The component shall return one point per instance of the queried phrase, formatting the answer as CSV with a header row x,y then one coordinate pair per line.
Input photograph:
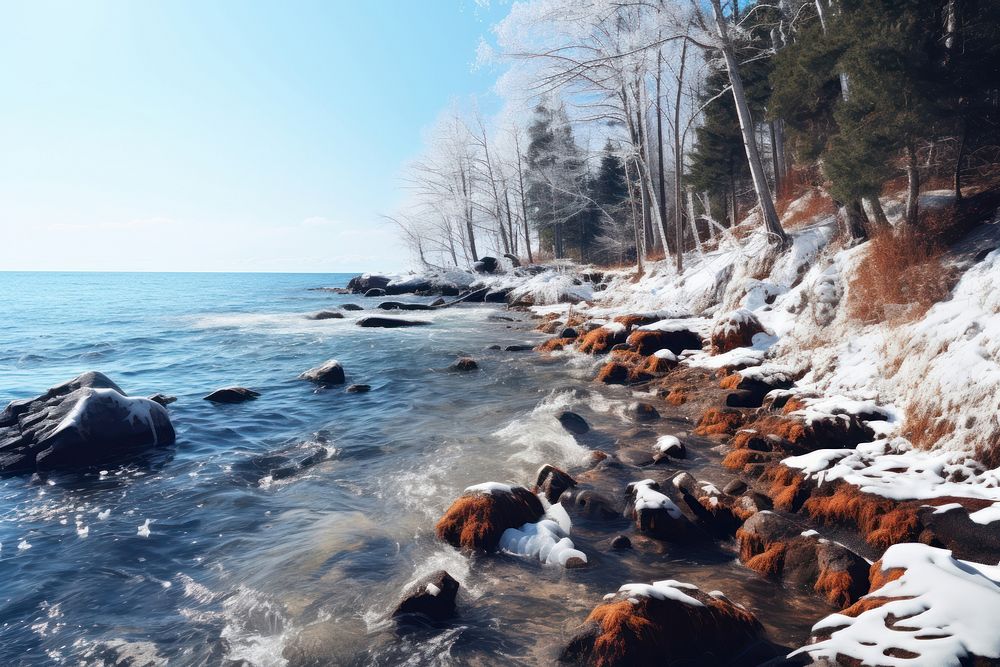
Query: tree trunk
x,y
771,222
659,144
854,213
679,166
881,221
958,162
468,217
912,186
636,227
775,164
524,204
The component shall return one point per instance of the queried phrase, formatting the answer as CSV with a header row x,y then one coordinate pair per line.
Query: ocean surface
x,y
282,531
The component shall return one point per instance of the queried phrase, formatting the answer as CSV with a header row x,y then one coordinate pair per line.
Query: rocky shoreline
x,y
850,549
724,465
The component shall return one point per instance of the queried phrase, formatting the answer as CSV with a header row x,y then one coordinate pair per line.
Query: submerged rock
x,y
480,516
351,306
232,395
573,422
667,623
375,291
464,364
655,513
327,373
433,597
82,422
325,315
359,388
163,399
399,305
389,322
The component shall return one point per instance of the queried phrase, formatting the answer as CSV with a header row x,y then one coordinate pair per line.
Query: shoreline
x,y
770,446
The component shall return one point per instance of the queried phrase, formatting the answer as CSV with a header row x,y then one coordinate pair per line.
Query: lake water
x,y
252,557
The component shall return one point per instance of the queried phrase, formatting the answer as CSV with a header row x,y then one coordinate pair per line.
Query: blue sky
x,y
246,136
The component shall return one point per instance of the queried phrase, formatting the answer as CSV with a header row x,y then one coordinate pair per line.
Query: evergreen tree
x,y
609,192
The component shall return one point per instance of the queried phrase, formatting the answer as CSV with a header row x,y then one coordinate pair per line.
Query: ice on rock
x,y
489,488
547,539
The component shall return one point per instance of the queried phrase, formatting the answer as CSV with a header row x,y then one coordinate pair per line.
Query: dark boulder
x,y
375,291
654,513
568,332
590,504
485,265
363,283
477,519
643,412
518,348
398,305
497,296
551,481
85,421
573,422
621,542
433,597
667,623
232,395
325,315
351,306
389,322
327,373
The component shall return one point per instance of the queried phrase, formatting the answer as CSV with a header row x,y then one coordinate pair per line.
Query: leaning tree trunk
x,y
881,220
636,227
913,186
771,222
958,162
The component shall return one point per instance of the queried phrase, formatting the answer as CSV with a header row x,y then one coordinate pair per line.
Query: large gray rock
x,y
327,373
85,421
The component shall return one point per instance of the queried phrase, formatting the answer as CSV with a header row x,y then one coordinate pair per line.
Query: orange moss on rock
x,y
881,522
731,381
600,340
475,521
655,365
554,344
737,459
785,487
613,372
735,330
720,421
770,561
648,631
677,397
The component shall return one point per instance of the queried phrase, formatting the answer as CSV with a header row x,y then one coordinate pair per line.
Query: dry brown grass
x,y
835,586
554,344
599,341
899,279
785,487
677,396
717,421
476,521
881,522
738,459
613,372
731,381
770,561
926,426
818,204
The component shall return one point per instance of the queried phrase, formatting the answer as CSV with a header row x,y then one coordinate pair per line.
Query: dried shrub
x,y
717,421
631,321
677,396
882,522
899,279
600,340
770,561
476,521
554,344
925,426
738,459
